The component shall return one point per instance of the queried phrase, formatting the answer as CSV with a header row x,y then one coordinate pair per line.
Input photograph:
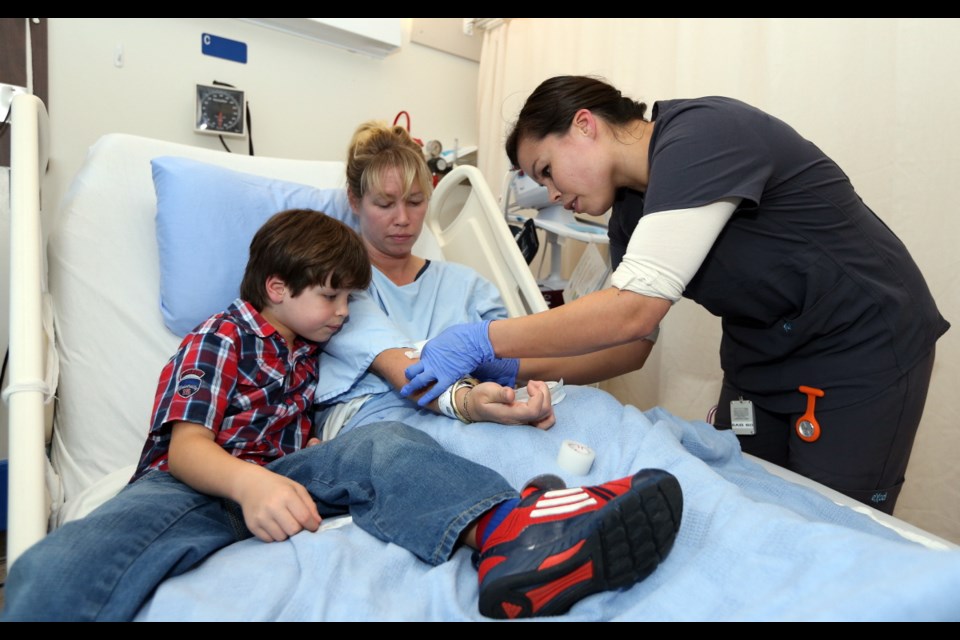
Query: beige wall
x,y
305,97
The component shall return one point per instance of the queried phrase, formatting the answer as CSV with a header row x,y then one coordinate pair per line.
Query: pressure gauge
x,y
433,148
220,111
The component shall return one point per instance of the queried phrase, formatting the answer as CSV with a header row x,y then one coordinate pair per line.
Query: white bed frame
x,y
464,217
28,395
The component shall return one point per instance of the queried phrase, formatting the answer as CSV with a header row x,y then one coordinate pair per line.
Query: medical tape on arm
x,y
668,247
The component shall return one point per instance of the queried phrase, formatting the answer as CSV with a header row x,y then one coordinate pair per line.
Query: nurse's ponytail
x,y
552,105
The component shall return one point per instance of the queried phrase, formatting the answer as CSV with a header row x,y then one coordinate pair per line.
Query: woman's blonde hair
x,y
376,147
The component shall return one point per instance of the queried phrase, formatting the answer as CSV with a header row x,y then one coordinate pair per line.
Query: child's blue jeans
x,y
396,482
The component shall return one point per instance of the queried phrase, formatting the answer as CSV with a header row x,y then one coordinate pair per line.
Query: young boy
x,y
225,459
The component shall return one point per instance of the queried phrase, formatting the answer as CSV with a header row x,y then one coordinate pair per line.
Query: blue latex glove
x,y
456,352
503,371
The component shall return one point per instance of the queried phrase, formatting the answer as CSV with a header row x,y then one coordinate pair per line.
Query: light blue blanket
x,y
751,546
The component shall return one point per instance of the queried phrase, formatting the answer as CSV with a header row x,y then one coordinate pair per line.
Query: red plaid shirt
x,y
235,375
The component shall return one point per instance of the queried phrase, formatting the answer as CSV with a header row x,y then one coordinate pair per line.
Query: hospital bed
x,y
90,313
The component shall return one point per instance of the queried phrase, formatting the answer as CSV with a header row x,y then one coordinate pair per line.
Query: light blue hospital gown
x,y
389,316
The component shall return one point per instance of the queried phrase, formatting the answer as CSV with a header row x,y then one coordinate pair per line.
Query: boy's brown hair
x,y
304,248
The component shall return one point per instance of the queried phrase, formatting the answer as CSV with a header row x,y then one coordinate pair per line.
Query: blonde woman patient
x,y
411,298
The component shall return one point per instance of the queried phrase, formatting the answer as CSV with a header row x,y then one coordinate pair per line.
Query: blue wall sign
x,y
225,48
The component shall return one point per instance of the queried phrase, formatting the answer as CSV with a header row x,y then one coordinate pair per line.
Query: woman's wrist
x,y
453,402
463,403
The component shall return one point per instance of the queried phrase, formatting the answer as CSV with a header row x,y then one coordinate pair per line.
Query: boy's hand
x,y
276,507
490,402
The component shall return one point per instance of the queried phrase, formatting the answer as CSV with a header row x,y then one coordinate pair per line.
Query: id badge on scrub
x,y
741,417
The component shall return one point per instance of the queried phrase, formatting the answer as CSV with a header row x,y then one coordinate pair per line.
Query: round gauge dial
x,y
220,110
433,148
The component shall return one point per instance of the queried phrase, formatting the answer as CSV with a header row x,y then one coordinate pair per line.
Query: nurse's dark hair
x,y
552,105
304,248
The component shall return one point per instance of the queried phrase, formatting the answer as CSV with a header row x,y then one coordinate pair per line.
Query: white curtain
x,y
878,95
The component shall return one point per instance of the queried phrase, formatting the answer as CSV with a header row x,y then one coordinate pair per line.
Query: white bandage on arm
x,y
668,247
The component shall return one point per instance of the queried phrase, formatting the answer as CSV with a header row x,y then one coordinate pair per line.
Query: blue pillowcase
x,y
206,217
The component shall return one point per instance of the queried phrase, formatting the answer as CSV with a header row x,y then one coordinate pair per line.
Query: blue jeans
x,y
397,483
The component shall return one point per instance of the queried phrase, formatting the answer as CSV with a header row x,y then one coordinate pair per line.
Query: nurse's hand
x,y
500,370
456,352
490,402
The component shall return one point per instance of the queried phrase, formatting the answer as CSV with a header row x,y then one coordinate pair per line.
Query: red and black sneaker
x,y
561,545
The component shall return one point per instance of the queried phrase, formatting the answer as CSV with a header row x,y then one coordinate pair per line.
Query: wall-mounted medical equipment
x,y
221,111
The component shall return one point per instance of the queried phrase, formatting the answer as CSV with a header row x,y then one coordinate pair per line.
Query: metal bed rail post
x,y
25,394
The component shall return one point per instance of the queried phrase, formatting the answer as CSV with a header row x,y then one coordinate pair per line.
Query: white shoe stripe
x,y
562,509
552,501
556,493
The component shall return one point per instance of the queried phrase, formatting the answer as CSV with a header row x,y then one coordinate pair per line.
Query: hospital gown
x,y
388,316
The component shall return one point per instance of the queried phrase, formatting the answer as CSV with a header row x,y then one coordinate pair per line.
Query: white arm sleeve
x,y
668,247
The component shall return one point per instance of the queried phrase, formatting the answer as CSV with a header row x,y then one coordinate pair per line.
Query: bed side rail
x,y
27,391
471,229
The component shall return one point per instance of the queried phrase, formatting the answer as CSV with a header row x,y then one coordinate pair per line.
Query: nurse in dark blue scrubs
x,y
829,328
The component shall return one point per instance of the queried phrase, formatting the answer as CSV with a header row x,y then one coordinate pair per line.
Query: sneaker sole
x,y
633,535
